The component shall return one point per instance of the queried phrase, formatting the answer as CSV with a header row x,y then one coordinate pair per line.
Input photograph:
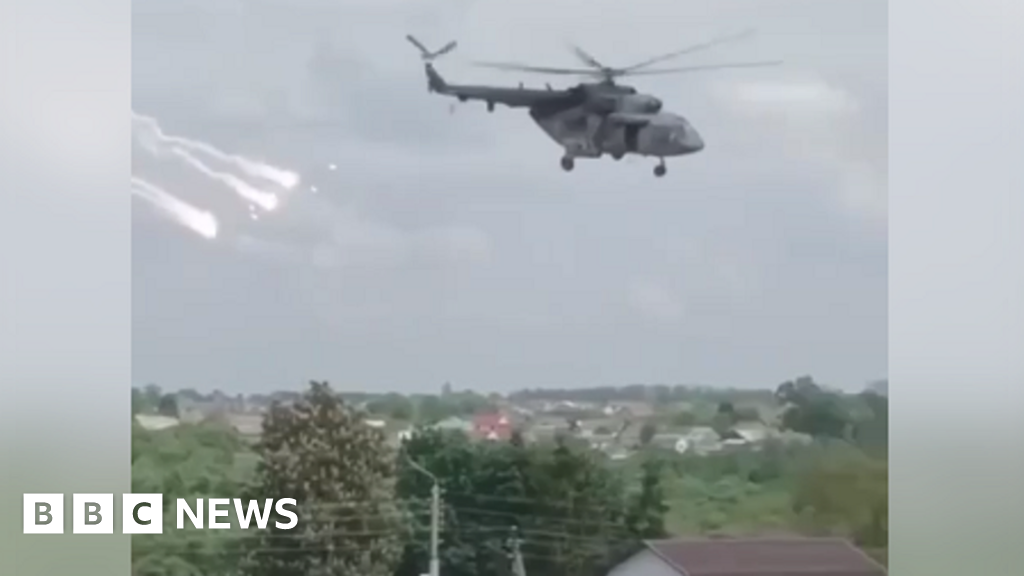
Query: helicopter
x,y
595,117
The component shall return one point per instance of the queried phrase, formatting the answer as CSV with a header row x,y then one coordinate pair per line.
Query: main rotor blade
x,y
446,49
683,69
537,69
585,57
691,49
417,43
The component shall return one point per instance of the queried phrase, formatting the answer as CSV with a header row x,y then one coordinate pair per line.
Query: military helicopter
x,y
592,118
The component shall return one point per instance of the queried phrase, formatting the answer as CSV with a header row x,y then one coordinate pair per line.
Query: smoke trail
x,y
199,221
284,178
264,200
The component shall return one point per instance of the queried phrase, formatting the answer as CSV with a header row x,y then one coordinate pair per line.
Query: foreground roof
x,y
765,557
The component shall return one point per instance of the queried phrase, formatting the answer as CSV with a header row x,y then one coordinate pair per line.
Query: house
x,y
752,432
749,557
249,426
453,423
495,426
153,422
629,409
678,443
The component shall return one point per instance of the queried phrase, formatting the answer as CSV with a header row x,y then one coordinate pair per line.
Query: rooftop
x,y
765,556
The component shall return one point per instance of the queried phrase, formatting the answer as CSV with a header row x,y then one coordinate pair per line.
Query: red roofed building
x,y
750,557
496,426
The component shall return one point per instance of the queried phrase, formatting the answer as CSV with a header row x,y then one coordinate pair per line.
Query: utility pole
x,y
435,528
435,517
518,568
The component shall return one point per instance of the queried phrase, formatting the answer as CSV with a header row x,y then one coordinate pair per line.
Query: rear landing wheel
x,y
617,155
568,164
660,170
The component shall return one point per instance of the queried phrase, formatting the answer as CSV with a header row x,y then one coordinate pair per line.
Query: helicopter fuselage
x,y
584,134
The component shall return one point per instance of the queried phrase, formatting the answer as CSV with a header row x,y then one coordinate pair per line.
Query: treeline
x,y
651,393
459,403
364,508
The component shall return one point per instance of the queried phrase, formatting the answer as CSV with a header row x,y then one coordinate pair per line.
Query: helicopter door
x,y
632,137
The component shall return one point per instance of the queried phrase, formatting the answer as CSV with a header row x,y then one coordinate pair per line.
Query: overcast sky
x,y
450,246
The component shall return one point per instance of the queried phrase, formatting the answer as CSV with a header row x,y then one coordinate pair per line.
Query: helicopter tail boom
x,y
435,83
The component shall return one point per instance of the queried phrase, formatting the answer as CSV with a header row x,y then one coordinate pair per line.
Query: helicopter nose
x,y
693,141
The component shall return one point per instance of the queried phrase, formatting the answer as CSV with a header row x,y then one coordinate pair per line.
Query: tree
x,y
722,423
646,516
432,409
188,461
871,432
341,473
846,493
394,406
168,406
568,504
146,400
809,409
138,402
684,419
747,414
647,433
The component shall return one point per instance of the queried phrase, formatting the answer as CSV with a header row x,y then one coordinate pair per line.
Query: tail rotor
x,y
429,56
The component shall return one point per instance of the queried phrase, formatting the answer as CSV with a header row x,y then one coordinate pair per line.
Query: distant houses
x,y
493,426
154,422
453,423
612,427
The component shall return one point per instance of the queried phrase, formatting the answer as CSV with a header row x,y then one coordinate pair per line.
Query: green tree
x,y
433,409
341,473
568,504
168,406
684,419
871,432
146,400
810,409
189,461
747,414
647,433
646,516
138,402
846,493
395,406
722,423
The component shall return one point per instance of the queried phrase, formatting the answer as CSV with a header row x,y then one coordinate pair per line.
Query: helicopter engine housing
x,y
625,103
602,104
639,104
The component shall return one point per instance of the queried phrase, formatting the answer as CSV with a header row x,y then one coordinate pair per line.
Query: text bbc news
x,y
144,513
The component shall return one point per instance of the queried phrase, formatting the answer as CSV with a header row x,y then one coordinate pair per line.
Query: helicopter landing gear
x,y
660,169
618,155
568,163
490,106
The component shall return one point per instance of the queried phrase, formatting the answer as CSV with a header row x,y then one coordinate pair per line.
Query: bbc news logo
x,y
144,513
